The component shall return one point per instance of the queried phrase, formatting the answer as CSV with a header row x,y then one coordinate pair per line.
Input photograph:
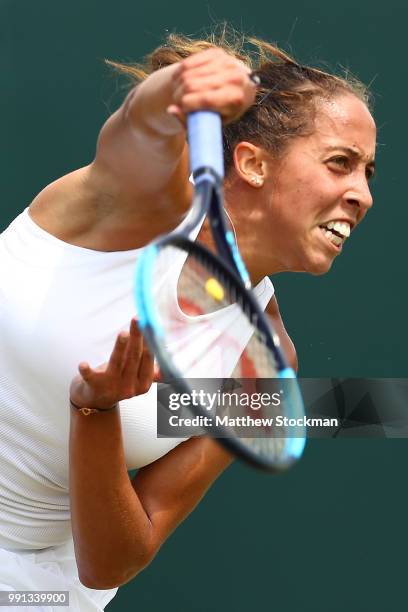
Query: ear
x,y
250,163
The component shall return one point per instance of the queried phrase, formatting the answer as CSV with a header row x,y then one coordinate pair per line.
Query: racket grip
x,y
204,130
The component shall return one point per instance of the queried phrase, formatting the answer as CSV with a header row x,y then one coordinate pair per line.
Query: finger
x,y
230,104
204,72
119,351
209,83
146,371
133,354
227,70
204,57
85,370
136,336
213,76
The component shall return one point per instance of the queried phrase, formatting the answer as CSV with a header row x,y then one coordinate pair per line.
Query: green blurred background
x,y
332,534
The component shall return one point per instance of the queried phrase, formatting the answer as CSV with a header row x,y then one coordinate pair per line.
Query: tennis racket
x,y
206,322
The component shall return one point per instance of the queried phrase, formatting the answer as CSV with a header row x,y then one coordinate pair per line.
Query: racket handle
x,y
205,141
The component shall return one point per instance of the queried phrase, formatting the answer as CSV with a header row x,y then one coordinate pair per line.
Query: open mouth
x,y
336,232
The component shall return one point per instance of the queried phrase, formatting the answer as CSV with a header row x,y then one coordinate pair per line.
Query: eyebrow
x,y
352,152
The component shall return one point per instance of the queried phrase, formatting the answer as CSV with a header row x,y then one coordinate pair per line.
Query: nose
x,y
359,195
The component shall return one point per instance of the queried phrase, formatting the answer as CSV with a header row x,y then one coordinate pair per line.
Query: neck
x,y
258,267
245,207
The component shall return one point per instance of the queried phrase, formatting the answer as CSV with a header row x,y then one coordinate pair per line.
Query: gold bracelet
x,y
88,411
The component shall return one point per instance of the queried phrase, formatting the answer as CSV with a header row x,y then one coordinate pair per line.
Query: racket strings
x,y
209,305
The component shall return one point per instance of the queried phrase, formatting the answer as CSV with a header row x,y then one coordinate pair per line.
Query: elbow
x,y
99,579
96,582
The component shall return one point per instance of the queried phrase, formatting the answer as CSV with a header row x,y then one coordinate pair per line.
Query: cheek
x,y
299,204
293,190
301,199
310,199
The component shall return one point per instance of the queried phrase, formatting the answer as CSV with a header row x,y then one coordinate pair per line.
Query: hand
x,y
129,372
212,80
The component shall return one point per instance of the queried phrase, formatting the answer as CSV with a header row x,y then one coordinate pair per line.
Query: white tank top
x,y
60,304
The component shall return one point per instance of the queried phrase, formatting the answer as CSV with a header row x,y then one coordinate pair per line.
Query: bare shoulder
x,y
273,312
73,207
54,206
93,209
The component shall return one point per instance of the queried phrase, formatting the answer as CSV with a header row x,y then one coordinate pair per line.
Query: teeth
x,y
333,238
342,227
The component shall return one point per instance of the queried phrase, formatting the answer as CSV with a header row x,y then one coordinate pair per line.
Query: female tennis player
x,y
299,152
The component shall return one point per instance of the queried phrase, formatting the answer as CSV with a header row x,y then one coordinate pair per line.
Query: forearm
x,y
141,155
146,106
110,527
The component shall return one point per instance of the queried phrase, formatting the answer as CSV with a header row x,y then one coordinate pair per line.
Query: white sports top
x,y
61,304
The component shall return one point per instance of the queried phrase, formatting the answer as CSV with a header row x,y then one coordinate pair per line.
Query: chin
x,y
311,259
318,266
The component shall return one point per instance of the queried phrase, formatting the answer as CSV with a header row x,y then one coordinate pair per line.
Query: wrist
x,y
149,103
87,411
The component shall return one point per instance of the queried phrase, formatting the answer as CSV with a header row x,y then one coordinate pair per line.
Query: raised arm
x,y
142,153
137,186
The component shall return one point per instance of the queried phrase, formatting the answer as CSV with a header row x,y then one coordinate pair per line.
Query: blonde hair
x,y
285,103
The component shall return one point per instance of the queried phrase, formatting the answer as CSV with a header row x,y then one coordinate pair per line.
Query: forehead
x,y
345,121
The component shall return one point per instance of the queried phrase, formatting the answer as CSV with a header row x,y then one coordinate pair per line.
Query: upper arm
x,y
286,342
171,487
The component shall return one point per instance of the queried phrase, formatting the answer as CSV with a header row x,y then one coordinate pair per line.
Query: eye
x,y
370,173
340,161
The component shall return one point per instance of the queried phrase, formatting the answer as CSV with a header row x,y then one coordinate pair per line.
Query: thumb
x,y
85,370
176,111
